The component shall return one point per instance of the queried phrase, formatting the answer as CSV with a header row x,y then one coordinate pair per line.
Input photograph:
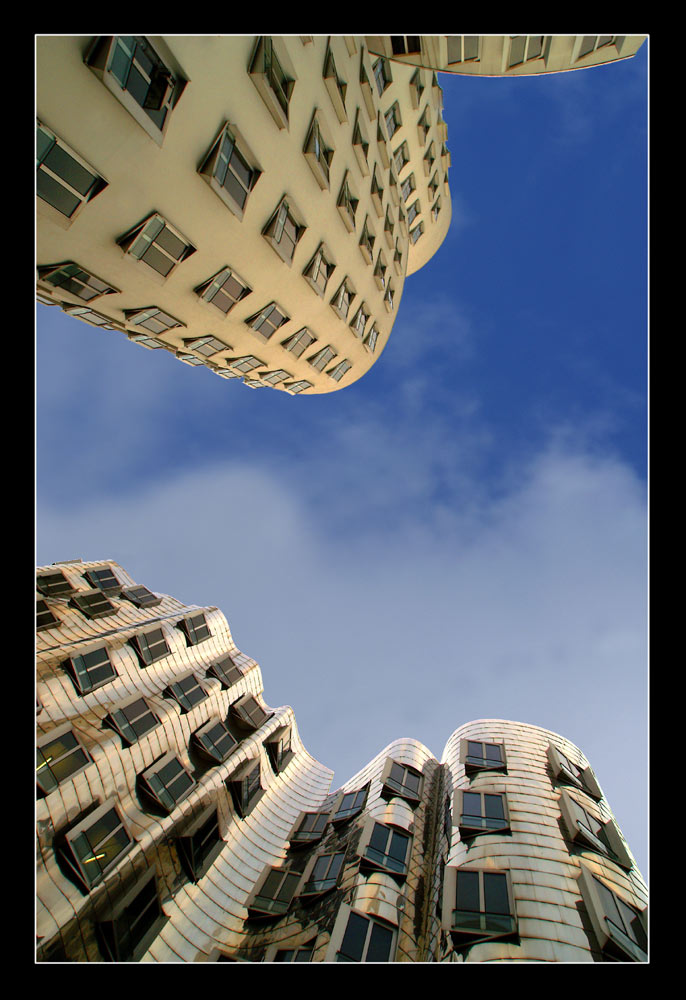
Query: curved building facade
x,y
181,819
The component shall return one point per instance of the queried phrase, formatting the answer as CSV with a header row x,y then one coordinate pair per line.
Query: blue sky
x,y
461,534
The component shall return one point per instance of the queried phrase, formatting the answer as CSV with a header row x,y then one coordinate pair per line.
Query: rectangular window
x,y
150,646
478,756
339,370
215,741
342,300
59,756
276,377
310,828
167,782
392,120
483,906
405,44
246,364
132,70
126,931
360,321
274,892
408,186
132,719
274,85
482,812
347,206
295,954
63,180
267,322
224,290
44,616
53,584
318,271
187,692
90,670
324,875
299,342
283,232
336,87
377,193
141,597
245,787
248,712
96,844
195,629
153,319
401,157
228,172
279,749
463,48
318,154
93,604
226,671
360,146
388,849
200,844
296,387
105,580
156,243
399,779
372,338
524,48
351,803
366,940
413,211
320,360
619,927
72,278
382,75
367,243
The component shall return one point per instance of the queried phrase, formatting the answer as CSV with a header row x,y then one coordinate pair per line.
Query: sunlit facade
x,y
181,819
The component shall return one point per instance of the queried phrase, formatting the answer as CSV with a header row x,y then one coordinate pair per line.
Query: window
x,y
167,782
195,629
105,580
157,244
382,74
401,156
150,646
226,671
323,874
214,741
72,278
479,905
435,209
366,940
408,186
463,48
377,193
318,154
481,812
416,89
126,931
200,844
95,845
402,780
423,126
273,83
393,120
405,44
279,750
524,48
245,787
132,719
388,228
342,299
619,926
360,321
230,173
372,337
283,232
416,233
389,298
386,848
186,692
590,832
268,321
44,616
347,206
299,342
477,756
433,185
63,179
246,364
591,43
321,359
360,145
90,670
141,597
367,243
248,713
350,804
224,290
565,771
335,86
339,370
309,828
429,159
132,70
296,387
53,584
303,954
380,271
92,317
59,756
93,604
319,270
413,211
153,319
273,894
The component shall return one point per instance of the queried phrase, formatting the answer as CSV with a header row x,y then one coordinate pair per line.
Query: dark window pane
x,y
51,191
493,752
467,897
66,167
494,807
379,949
172,244
495,893
471,804
157,260
379,838
354,938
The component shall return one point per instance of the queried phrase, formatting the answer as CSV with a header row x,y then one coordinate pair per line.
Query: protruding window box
x,y
619,926
320,360
200,844
384,848
478,906
105,580
342,300
428,160
366,244
377,194
248,714
44,617
230,169
226,672
335,86
245,787
402,781
150,646
143,82
398,258
416,89
339,370
477,756
365,939
153,319
481,812
186,692
90,669
321,875
93,604
75,280
380,271
423,126
284,231
132,719
157,243
273,81
366,89
388,229
360,321
389,298
195,628
319,154
126,930
273,893
372,338
60,756
279,749
393,188
381,142
319,270
347,206
295,387
64,181
349,805
298,343
588,831
569,773
266,322
166,783
309,828
361,145
141,597
225,290
95,845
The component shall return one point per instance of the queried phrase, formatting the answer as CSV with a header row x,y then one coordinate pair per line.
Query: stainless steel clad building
x,y
181,819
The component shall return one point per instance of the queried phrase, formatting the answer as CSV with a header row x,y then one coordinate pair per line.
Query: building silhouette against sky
x,y
255,204
181,819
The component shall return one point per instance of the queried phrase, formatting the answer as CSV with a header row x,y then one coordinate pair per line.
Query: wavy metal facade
x,y
181,819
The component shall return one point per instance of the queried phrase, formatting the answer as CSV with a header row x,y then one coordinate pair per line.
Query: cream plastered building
x,y
181,819
254,205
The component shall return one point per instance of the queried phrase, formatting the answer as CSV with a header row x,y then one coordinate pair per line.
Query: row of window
x,y
521,49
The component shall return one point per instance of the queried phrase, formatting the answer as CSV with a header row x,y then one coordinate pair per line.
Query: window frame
x,y
347,204
391,787
318,151
265,320
382,860
584,780
261,906
97,185
139,317
243,709
340,370
477,765
335,86
215,287
285,215
217,671
463,57
465,936
589,831
340,934
93,604
311,888
344,293
542,54
159,796
360,144
140,596
213,164
45,618
279,748
127,733
75,674
320,263
372,338
183,691
142,239
192,628
111,937
468,830
298,338
197,852
339,814
611,938
55,735
141,647
73,859
245,786
269,49
50,271
393,113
